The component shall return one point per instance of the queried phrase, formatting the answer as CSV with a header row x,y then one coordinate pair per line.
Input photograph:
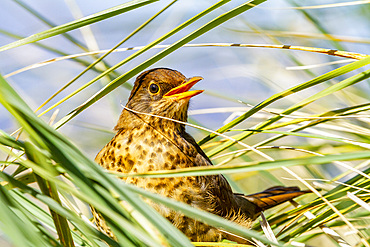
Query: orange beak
x,y
181,92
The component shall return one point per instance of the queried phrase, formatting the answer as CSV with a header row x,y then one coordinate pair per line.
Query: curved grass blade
x,y
92,65
18,223
250,166
10,141
37,212
144,49
49,189
45,47
330,75
88,177
49,23
339,112
345,83
91,179
123,78
106,52
102,15
338,193
322,137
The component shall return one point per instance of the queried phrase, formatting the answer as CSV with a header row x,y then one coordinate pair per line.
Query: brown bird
x,y
146,143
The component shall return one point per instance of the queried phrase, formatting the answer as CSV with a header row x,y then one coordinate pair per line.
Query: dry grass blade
x,y
323,6
360,202
267,229
316,129
344,54
285,168
327,230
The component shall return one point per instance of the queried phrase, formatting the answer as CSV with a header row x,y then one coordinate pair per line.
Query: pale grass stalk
x,y
87,35
298,244
325,187
202,128
331,181
144,222
345,54
258,243
343,139
86,31
363,240
300,115
357,200
358,167
328,231
320,65
267,229
242,151
322,6
98,62
219,244
325,229
68,204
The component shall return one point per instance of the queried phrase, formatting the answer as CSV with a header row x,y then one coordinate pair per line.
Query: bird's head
x,y
162,92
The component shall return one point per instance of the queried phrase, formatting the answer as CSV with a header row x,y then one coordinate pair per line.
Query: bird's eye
x,y
153,88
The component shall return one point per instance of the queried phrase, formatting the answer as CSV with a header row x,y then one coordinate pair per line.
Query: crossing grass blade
x,y
313,82
18,223
52,159
95,187
108,13
252,166
71,160
92,66
49,23
186,39
324,215
49,189
123,78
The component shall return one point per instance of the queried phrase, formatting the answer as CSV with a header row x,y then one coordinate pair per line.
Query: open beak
x,y
181,92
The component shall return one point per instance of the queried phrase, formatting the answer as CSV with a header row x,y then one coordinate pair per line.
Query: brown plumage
x,y
147,143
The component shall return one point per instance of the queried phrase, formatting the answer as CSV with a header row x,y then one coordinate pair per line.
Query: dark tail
x,y
274,196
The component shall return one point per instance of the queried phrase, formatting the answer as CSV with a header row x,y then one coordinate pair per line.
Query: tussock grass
x,y
308,129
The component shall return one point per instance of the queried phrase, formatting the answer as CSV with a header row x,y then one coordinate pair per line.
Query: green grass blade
x,y
91,66
252,166
49,189
319,26
330,75
325,77
10,141
123,78
102,15
83,172
322,137
16,224
45,47
135,71
43,216
91,234
49,23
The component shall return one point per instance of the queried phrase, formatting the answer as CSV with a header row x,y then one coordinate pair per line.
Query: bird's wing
x,y
251,205
219,188
191,140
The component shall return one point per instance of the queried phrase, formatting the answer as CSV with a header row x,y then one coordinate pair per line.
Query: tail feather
x,y
274,196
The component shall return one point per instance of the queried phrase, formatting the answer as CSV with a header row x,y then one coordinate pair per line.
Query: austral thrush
x,y
146,143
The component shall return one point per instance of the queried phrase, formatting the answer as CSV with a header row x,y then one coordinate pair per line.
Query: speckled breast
x,y
144,149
